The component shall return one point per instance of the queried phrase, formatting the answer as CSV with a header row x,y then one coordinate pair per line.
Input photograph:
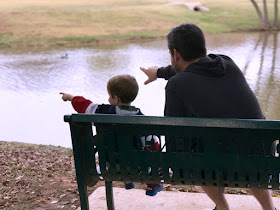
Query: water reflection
x,y
267,72
32,110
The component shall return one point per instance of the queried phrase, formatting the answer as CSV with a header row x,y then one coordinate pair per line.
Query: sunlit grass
x,y
11,4
32,22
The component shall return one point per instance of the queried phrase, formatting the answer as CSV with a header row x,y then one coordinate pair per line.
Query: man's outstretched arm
x,y
155,72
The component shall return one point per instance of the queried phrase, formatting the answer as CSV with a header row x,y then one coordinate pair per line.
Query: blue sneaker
x,y
153,190
129,185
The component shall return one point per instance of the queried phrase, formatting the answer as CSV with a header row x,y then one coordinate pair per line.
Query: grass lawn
x,y
40,23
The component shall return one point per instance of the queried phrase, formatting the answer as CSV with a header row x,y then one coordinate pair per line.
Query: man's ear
x,y
177,55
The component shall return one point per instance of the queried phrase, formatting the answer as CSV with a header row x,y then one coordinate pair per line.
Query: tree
x,y
264,19
276,20
261,20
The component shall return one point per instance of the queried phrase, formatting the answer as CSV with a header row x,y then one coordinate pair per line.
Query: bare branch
x,y
260,16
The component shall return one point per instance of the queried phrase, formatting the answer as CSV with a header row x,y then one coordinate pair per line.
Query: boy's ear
x,y
117,99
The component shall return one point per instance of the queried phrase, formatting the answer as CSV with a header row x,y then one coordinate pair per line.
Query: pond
x,y
31,107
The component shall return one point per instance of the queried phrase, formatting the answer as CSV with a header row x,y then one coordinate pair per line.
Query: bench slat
x,y
193,151
175,121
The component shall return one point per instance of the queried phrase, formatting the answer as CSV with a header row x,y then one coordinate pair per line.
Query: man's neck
x,y
185,64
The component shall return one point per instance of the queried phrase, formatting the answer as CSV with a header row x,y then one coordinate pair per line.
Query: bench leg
x,y
83,193
109,195
82,187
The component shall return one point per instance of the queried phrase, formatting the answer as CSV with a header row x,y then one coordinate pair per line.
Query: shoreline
x,y
103,43
96,43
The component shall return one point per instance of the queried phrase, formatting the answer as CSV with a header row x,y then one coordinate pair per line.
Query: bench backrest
x,y
195,151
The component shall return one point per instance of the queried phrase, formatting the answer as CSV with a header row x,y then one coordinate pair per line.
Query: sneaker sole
x,y
152,194
130,187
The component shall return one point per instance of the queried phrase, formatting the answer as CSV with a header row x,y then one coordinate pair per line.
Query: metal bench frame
x,y
199,151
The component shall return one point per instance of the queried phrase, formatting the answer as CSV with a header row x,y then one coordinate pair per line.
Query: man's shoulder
x,y
221,56
182,79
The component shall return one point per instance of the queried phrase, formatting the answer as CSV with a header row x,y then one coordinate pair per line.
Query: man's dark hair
x,y
188,40
124,86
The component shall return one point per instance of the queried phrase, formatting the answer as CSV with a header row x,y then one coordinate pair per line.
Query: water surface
x,y
32,110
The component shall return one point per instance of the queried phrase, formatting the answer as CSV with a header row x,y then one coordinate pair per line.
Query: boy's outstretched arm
x,y
79,103
67,97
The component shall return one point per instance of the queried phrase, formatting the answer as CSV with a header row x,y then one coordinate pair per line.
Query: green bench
x,y
199,151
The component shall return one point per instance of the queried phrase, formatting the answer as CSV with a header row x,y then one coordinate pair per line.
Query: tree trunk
x,y
266,19
276,20
261,20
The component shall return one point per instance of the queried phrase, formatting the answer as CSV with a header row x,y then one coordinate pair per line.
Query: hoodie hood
x,y
212,65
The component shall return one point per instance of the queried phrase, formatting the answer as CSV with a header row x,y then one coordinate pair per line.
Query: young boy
x,y
122,90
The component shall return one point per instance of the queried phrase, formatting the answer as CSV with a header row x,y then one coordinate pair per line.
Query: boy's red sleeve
x,y
80,104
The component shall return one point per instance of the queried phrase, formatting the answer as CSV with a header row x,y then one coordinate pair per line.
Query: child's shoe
x,y
153,190
129,185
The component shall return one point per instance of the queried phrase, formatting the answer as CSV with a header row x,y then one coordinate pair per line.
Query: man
x,y
206,86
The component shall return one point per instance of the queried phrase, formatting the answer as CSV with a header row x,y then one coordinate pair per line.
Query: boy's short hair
x,y
124,86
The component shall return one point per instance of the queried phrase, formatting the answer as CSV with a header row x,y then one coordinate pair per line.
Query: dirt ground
x,y
43,178
37,177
